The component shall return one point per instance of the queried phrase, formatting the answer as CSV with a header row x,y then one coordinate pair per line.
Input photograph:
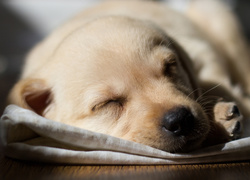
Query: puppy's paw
x,y
228,115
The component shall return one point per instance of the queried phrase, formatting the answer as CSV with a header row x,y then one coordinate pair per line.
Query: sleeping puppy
x,y
143,72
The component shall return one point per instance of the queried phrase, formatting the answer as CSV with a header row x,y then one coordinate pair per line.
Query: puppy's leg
x,y
218,22
228,115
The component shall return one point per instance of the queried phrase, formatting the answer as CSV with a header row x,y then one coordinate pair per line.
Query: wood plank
x,y
14,169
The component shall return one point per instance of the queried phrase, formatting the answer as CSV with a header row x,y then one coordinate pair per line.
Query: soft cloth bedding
x,y
28,136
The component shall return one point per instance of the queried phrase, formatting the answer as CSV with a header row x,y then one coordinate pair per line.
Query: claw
x,y
236,133
235,112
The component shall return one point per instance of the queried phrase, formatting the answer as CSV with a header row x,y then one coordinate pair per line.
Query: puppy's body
x,y
124,69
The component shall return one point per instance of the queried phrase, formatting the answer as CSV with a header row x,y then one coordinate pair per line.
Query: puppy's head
x,y
121,77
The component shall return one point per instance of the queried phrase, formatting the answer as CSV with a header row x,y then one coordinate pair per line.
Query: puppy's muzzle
x,y
179,121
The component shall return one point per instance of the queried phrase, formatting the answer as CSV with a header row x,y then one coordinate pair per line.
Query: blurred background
x,y
23,23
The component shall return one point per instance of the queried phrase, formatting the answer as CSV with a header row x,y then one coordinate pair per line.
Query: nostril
x,y
173,127
179,121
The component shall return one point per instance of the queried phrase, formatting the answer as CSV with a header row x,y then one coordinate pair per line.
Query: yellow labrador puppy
x,y
141,71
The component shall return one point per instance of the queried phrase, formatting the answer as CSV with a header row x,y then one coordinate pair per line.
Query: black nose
x,y
179,121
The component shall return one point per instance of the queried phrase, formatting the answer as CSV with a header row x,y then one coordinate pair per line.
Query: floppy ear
x,y
187,65
33,94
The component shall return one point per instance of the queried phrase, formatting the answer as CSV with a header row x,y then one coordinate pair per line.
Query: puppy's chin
x,y
171,143
188,146
180,145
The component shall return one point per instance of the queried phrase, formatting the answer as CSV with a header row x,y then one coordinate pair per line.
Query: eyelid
x,y
106,102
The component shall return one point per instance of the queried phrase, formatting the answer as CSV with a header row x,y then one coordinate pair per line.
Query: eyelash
x,y
106,103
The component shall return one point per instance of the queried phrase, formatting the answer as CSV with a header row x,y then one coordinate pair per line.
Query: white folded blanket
x,y
28,136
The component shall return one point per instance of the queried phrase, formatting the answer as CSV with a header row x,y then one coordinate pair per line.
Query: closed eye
x,y
107,103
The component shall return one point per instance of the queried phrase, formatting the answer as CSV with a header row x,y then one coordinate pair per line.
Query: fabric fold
x,y
28,136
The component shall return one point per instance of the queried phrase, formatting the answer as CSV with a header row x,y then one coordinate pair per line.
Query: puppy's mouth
x,y
182,130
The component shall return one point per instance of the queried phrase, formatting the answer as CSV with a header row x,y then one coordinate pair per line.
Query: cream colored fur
x,y
104,71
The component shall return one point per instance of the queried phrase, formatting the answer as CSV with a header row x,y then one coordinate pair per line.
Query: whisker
x,y
207,91
208,100
193,92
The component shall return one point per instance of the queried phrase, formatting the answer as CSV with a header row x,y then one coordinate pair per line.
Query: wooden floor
x,y
13,169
